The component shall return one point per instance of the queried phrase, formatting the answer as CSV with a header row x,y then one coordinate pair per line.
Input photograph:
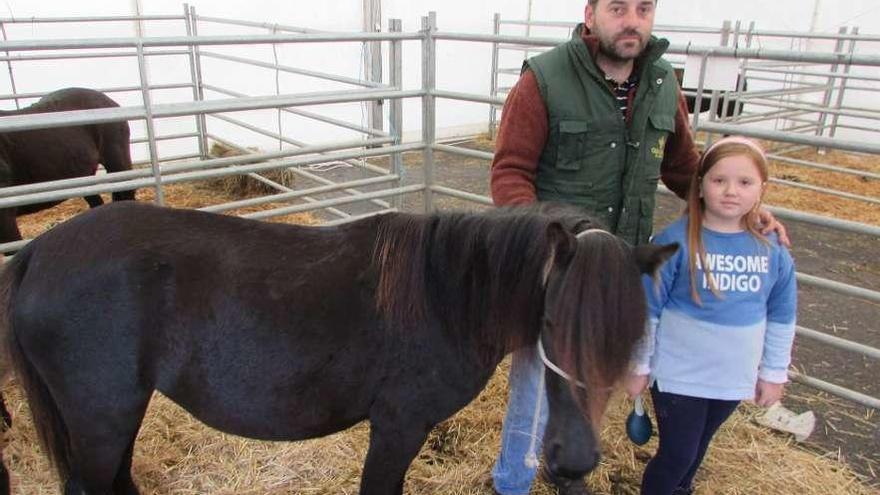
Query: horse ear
x,y
563,242
649,257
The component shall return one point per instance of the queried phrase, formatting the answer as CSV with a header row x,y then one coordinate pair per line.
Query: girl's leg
x,y
680,421
717,414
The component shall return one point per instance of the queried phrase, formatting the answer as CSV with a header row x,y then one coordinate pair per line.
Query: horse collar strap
x,y
556,369
593,231
531,457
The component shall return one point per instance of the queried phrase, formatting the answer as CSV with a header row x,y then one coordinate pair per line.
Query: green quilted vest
x,y
592,159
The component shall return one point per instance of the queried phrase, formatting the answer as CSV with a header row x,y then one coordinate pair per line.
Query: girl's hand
x,y
635,384
767,394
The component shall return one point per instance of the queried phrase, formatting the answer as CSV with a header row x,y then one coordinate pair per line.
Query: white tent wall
x,y
461,66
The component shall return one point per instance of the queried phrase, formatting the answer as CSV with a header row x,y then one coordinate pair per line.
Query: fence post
x,y
741,81
373,61
725,99
829,89
713,103
841,87
9,66
493,76
429,73
395,111
150,124
203,153
199,84
698,99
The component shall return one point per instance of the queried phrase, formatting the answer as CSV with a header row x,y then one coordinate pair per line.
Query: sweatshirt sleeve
x,y
781,317
680,159
656,295
522,135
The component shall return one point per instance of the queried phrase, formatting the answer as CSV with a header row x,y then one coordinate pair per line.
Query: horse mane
x,y
480,275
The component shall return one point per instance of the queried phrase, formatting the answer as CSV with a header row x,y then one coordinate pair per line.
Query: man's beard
x,y
610,51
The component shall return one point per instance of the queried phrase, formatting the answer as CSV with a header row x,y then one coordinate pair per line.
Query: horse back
x,y
68,99
193,256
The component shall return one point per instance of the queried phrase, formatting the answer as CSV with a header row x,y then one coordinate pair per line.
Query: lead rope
x,y
531,458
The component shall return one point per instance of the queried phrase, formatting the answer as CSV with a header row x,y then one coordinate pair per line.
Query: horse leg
x,y
124,484
393,446
101,446
4,415
116,154
94,201
7,423
9,225
4,476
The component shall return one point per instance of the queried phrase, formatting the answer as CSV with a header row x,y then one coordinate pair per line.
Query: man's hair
x,y
594,2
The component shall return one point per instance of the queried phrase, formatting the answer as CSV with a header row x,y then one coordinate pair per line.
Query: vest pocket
x,y
656,136
572,143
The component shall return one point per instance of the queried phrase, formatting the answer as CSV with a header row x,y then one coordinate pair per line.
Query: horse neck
x,y
477,276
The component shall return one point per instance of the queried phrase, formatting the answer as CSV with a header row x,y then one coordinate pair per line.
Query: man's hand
x,y
635,384
767,394
769,223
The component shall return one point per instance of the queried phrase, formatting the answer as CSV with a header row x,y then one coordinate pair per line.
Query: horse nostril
x,y
580,469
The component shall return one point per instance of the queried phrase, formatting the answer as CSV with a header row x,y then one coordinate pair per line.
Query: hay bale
x,y
244,185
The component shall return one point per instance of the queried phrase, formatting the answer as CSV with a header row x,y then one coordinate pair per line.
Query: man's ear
x,y
649,257
589,15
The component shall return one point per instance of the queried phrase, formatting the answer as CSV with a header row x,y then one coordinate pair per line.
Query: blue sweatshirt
x,y
718,350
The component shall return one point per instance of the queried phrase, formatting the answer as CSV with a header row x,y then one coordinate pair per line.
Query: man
x,y
595,122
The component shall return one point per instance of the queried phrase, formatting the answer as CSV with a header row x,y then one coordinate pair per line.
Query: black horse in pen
x,y
285,332
42,155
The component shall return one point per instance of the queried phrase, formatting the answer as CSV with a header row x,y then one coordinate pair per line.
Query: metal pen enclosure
x,y
205,112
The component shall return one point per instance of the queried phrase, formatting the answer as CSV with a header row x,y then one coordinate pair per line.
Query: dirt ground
x,y
844,431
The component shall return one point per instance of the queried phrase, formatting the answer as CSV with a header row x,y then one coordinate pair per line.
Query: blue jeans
x,y
686,425
510,475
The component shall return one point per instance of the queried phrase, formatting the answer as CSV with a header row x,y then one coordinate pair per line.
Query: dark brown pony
x,y
284,332
40,155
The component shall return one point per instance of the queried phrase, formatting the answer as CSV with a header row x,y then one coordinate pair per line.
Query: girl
x,y
721,315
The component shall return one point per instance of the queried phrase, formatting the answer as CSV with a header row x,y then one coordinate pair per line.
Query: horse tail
x,y
47,420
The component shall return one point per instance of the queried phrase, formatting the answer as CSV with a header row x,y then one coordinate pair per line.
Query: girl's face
x,y
730,189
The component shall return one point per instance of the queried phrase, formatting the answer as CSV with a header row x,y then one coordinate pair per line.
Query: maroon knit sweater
x,y
522,135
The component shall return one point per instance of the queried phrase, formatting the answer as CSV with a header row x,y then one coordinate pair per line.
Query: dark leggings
x,y
686,426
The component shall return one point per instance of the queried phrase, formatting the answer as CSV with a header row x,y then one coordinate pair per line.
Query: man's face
x,y
622,26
